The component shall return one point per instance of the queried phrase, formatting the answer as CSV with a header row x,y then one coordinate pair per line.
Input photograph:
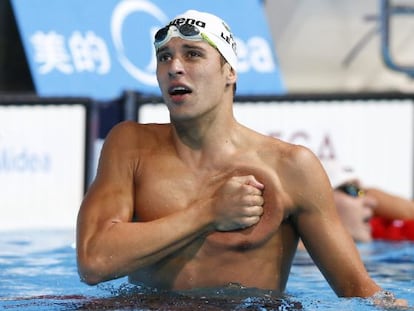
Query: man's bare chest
x,y
167,189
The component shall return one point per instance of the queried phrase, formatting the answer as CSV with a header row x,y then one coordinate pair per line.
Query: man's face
x,y
191,76
355,214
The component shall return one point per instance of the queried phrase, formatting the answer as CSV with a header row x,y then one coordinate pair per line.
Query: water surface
x,y
38,272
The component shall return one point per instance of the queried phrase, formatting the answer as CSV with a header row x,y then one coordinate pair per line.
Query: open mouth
x,y
367,220
179,90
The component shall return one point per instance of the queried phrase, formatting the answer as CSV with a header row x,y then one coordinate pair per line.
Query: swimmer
x,y
369,213
203,201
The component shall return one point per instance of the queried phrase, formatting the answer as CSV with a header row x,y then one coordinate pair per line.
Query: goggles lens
x,y
351,189
186,31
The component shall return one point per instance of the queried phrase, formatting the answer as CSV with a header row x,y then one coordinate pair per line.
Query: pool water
x,y
38,272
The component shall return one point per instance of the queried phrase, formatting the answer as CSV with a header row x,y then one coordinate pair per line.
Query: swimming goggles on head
x,y
184,31
351,189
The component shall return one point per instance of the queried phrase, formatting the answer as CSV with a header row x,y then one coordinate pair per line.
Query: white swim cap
x,y
339,174
196,26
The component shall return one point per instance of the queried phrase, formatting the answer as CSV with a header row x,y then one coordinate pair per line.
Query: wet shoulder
x,y
288,154
300,172
130,133
296,165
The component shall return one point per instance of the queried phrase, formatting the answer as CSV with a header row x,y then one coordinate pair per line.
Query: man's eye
x,y
163,57
194,54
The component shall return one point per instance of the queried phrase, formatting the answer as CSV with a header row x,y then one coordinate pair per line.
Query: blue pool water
x,y
38,272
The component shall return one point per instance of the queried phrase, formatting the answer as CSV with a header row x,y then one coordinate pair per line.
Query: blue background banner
x,y
99,48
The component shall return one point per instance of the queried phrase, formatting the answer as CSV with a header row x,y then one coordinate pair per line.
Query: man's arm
x,y
322,232
391,206
110,245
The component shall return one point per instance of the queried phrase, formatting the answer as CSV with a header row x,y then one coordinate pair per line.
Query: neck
x,y
203,143
200,133
207,128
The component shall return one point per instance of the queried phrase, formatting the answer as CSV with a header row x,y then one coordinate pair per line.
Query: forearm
x,y
123,247
331,246
391,206
352,279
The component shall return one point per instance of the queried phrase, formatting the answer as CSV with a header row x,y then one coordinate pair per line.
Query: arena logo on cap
x,y
190,21
199,23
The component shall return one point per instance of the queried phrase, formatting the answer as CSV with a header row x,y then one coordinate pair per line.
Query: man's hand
x,y
385,298
238,203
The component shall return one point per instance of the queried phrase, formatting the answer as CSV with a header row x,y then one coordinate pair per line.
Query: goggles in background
x,y
351,189
184,31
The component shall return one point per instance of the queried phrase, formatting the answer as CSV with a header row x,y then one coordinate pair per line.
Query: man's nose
x,y
176,67
369,201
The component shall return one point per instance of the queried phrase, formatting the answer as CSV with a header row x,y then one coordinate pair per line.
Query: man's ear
x,y
231,75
